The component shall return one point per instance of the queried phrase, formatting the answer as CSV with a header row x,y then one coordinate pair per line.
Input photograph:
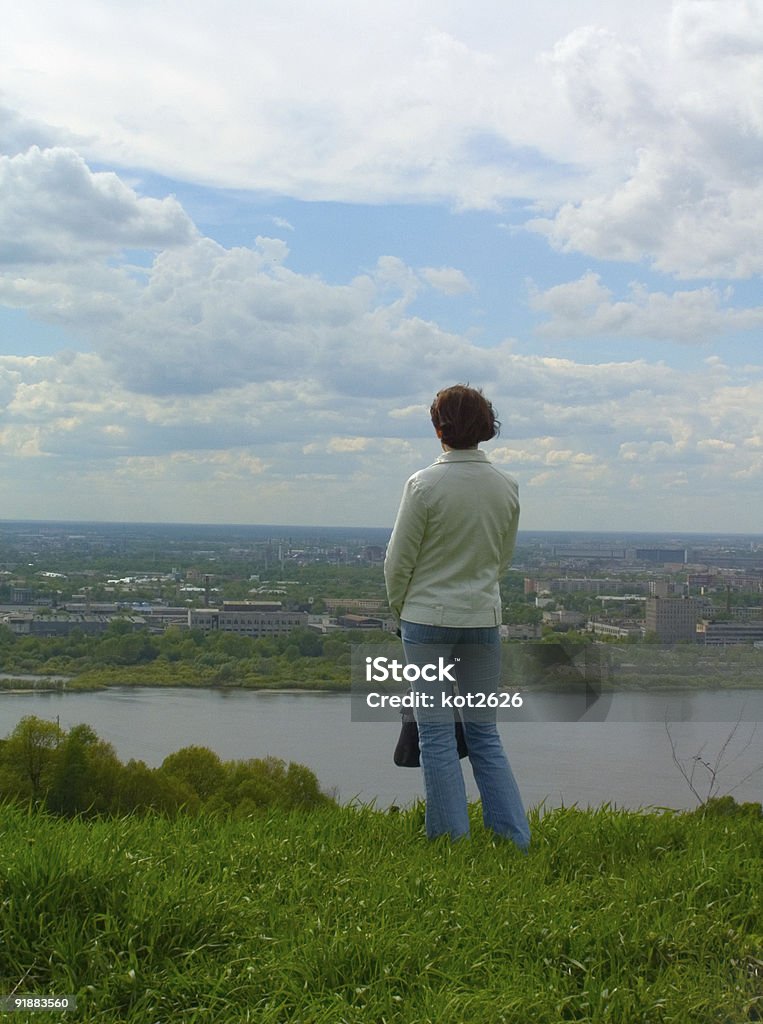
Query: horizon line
x,y
334,528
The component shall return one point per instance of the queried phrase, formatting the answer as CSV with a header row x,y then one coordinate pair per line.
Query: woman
x,y
452,542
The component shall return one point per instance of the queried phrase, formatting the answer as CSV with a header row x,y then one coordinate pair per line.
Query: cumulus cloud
x,y
447,280
588,308
542,452
281,222
55,209
576,435
636,132
611,85
208,316
18,133
194,316
408,412
671,212
347,444
330,103
220,377
684,122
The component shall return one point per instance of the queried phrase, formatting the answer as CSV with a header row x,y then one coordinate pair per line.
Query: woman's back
x,y
452,541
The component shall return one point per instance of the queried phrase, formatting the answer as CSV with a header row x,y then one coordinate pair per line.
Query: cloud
x,y
704,31
447,280
586,308
193,317
341,445
208,316
576,435
542,453
672,212
683,121
56,210
18,133
207,347
610,85
188,467
364,104
218,379
408,412
636,134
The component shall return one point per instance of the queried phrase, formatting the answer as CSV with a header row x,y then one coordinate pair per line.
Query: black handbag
x,y
407,752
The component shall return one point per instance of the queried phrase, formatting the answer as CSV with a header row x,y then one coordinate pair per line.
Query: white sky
x,y
242,245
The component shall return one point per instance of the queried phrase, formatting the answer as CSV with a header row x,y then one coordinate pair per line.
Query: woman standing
x,y
452,542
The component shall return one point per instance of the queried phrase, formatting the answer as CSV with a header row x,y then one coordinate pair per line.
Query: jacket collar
x,y
463,455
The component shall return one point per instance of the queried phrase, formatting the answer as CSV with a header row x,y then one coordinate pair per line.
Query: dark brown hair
x,y
463,416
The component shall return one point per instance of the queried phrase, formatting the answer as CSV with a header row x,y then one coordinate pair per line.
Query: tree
x,y
302,787
519,613
69,776
28,756
85,776
198,767
143,789
127,649
309,642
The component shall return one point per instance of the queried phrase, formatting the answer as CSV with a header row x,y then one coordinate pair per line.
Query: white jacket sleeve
x,y
509,543
404,545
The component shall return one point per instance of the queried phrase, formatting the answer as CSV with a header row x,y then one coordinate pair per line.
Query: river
x,y
625,760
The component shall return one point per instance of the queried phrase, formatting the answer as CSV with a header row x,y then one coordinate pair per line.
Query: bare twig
x,y
713,768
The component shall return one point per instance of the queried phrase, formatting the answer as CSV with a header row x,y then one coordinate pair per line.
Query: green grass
x,y
348,914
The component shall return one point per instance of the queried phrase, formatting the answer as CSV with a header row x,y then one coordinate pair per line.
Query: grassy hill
x,y
347,915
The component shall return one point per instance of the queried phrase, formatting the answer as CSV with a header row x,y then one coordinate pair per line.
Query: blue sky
x,y
241,247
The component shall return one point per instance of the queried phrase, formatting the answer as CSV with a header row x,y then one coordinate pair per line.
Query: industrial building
x,y
249,618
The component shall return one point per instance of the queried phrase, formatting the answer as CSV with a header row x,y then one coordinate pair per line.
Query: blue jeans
x,y
478,671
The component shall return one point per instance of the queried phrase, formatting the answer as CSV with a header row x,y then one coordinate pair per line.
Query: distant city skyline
x,y
242,246
296,535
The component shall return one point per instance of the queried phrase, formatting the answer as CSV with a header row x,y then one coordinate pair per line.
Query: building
x,y
661,556
521,631
585,585
359,605
664,588
373,553
734,579
717,633
248,618
564,618
753,613
162,617
623,629
674,618
701,581
351,621
594,551
64,625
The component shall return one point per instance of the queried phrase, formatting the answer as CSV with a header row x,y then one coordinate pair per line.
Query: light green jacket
x,y
452,542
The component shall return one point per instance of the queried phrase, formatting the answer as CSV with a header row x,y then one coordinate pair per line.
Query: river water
x,y
625,760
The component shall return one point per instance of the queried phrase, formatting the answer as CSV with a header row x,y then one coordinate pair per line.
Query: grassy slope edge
x,y
347,914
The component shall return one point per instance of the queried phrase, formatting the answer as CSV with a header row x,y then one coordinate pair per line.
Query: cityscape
x,y
264,581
